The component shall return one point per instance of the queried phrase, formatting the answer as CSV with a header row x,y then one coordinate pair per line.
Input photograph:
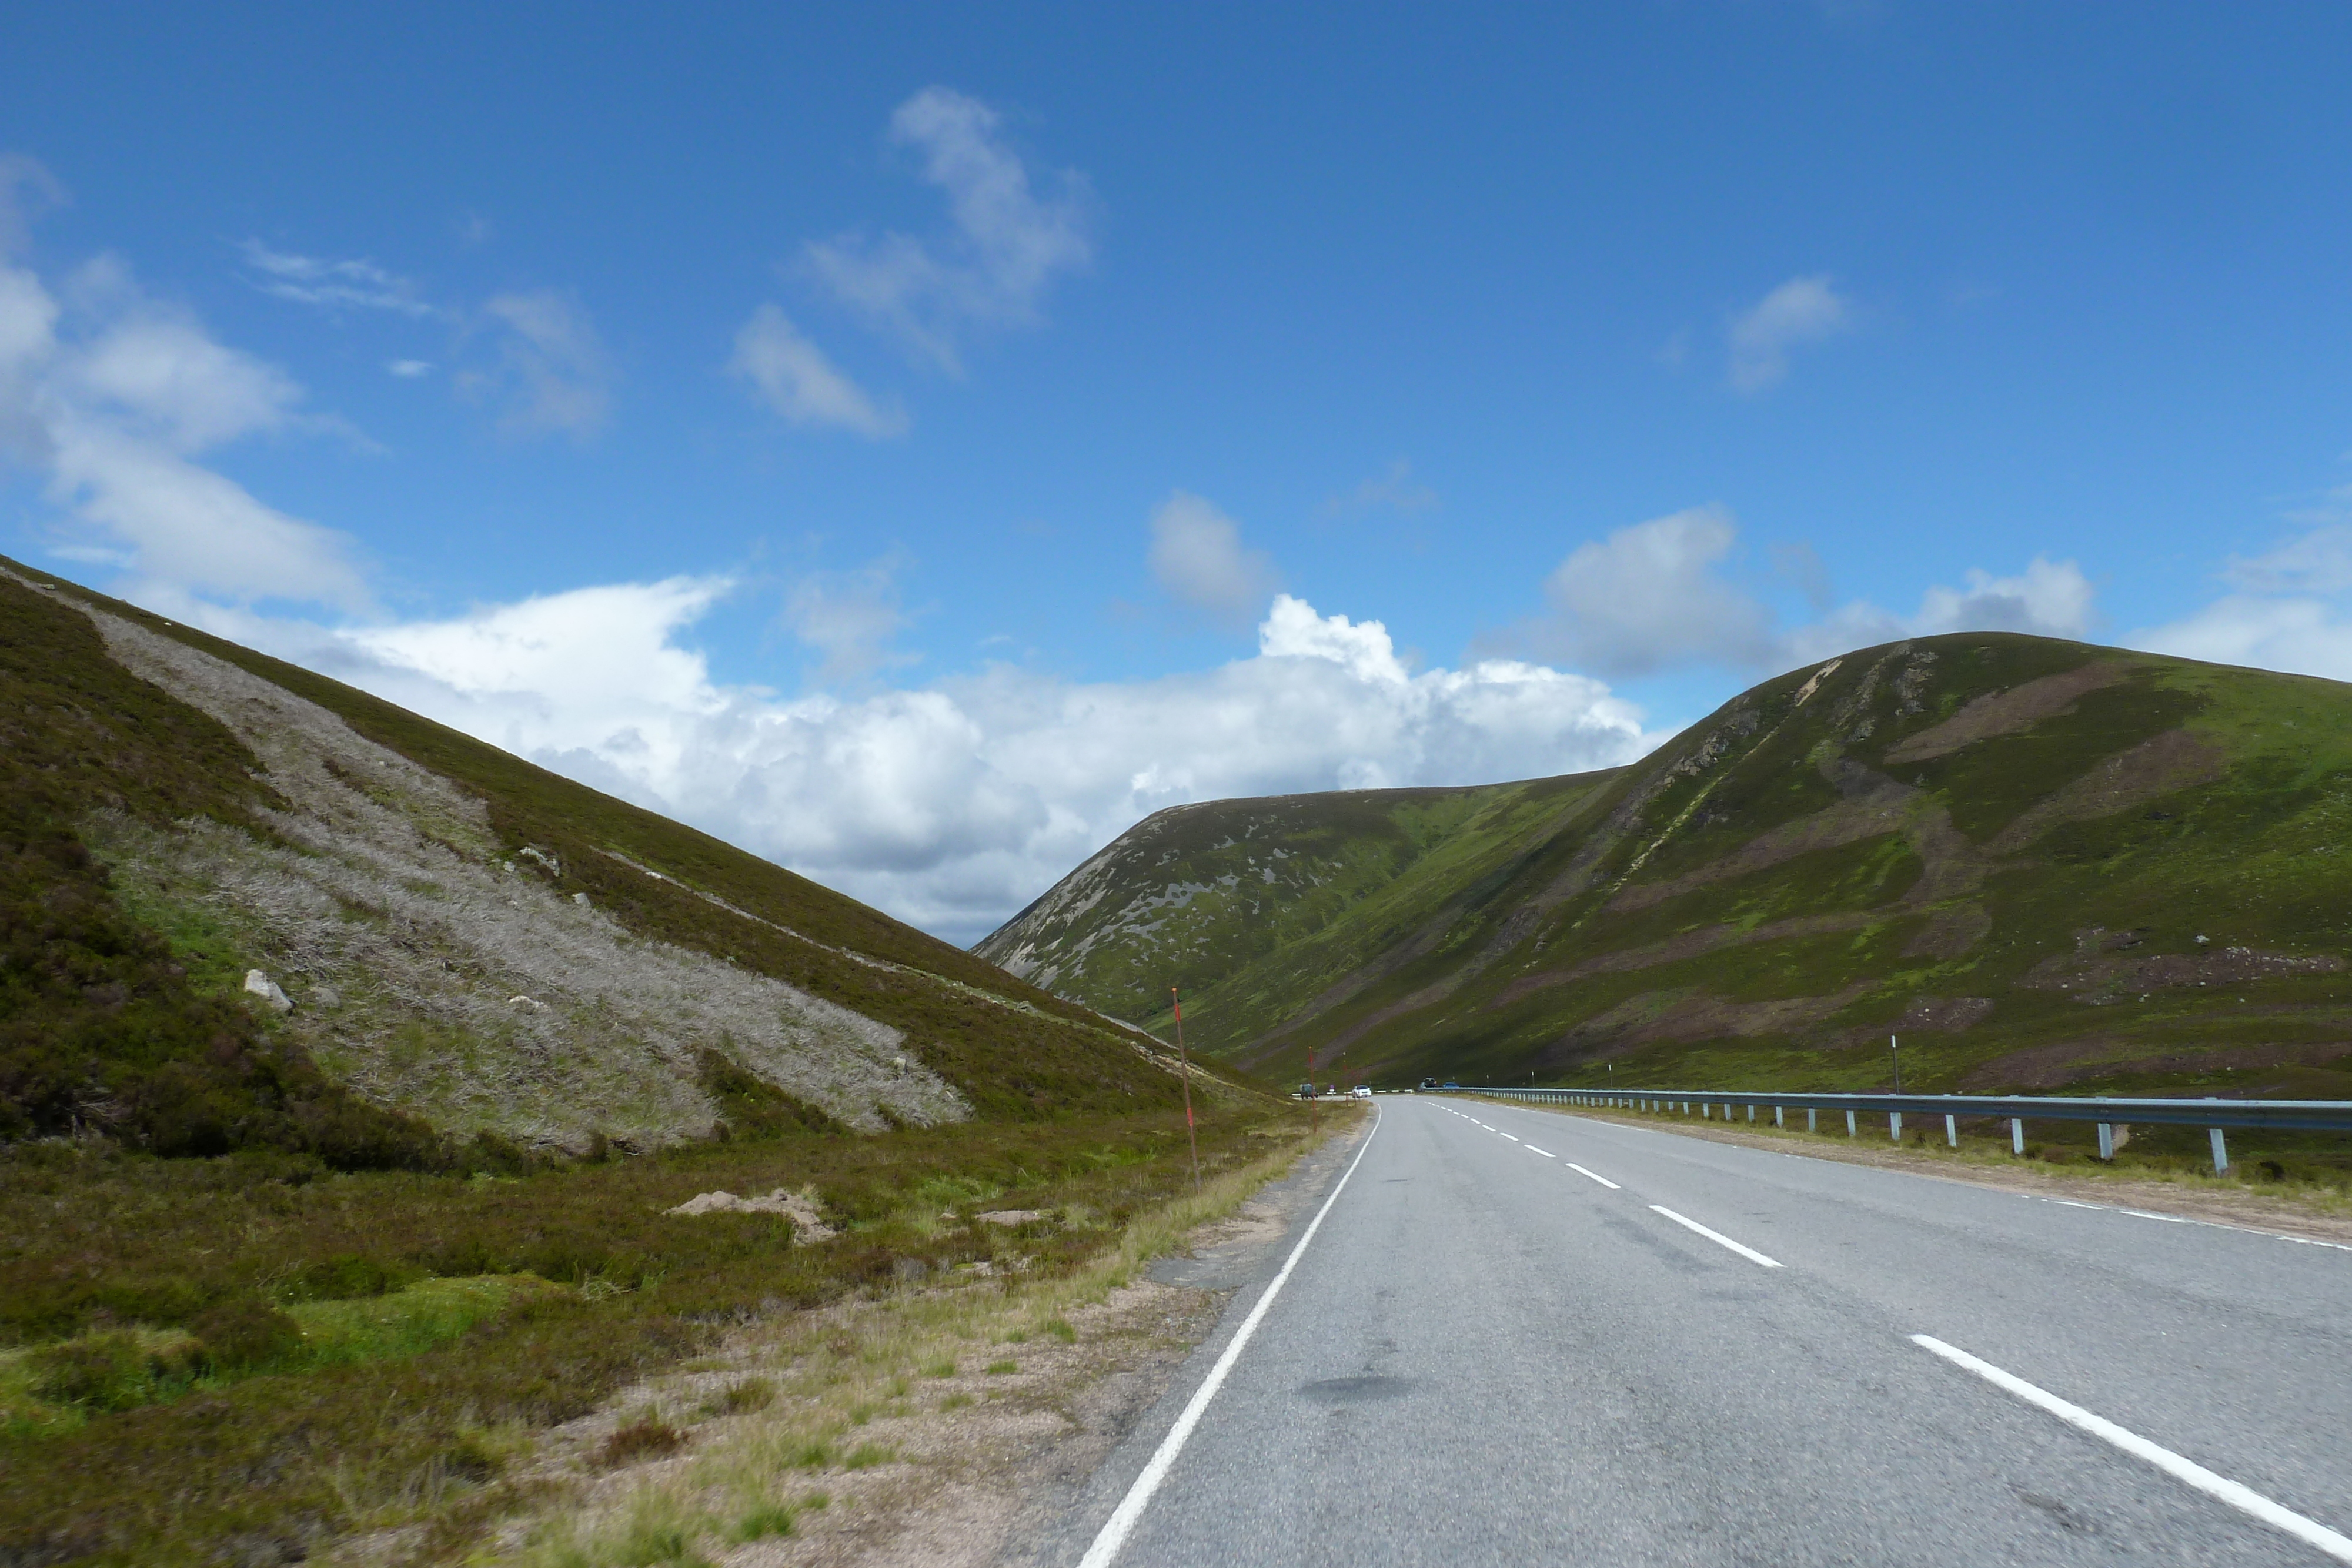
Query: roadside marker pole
x,y
1185,1064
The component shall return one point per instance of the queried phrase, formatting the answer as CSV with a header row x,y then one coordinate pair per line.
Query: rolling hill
x,y
2042,863
246,903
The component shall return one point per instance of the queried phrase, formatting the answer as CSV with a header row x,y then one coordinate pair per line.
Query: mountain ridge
x,y
1983,843
458,936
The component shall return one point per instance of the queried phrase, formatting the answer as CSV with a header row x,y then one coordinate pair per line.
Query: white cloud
x,y
2290,608
851,619
2051,599
409,370
1650,596
1394,488
554,375
1198,557
358,285
955,805
1008,245
1802,310
109,396
25,187
1654,597
795,378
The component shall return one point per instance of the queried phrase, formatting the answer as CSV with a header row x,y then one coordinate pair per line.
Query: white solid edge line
x,y
1544,1153
1122,1521
1717,1236
2308,1531
1604,1181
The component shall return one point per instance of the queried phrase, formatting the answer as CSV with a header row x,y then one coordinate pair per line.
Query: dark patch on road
x,y
1356,1390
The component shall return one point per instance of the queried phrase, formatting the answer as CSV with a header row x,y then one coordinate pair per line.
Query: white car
x,y
1361,1092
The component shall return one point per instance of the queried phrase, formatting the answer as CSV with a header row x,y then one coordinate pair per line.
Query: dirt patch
x,y
2052,1066
2314,1220
2159,765
2005,713
2101,976
800,1207
1952,932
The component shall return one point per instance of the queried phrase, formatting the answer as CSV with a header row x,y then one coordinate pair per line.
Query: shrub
x,y
648,1437
246,1336
106,1371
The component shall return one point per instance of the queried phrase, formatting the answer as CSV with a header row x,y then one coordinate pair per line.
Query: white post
x,y
2220,1154
1813,1120
1952,1131
2106,1140
2017,1134
1751,1115
1705,1112
1776,1117
1849,1125
1894,1125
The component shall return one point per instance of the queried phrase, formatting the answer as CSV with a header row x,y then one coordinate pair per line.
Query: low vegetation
x,y
2046,867
257,1354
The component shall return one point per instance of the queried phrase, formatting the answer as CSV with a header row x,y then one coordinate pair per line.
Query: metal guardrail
x,y
2214,1115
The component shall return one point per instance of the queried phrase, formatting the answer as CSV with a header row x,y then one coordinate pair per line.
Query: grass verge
x,y
750,1473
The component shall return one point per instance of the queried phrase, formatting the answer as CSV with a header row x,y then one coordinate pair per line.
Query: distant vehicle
x,y
1451,1084
1307,1092
1429,1084
1362,1092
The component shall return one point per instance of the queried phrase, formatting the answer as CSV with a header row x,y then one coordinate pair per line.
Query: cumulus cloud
x,y
111,396
1656,597
553,375
332,285
954,805
1198,557
1651,596
1802,310
793,377
409,370
2289,607
851,618
1007,245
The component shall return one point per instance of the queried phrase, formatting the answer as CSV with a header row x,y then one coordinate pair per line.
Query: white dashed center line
x,y
1717,1236
1506,1134
1596,1175
1544,1153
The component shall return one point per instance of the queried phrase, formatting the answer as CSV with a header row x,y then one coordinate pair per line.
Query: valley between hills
x,y
2047,867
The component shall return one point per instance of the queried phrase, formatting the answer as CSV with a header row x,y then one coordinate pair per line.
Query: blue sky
x,y
880,435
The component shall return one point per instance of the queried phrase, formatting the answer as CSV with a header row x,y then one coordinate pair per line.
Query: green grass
x,y
1503,952
406,1402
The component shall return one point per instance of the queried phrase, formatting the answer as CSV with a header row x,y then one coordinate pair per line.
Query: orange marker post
x,y
1185,1062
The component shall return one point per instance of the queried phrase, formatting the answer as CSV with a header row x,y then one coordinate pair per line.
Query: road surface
x,y
1521,1336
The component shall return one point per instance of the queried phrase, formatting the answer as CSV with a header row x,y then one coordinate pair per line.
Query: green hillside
x,y
2046,866
459,936
323,1029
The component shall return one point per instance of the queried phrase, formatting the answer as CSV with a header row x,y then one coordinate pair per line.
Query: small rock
x,y
260,984
581,899
1008,1217
533,1003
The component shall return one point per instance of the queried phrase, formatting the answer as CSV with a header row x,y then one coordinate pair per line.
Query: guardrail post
x,y
1813,1121
2220,1152
1849,1126
1776,1117
1952,1131
1894,1125
2017,1135
2106,1140
1705,1112
1751,1114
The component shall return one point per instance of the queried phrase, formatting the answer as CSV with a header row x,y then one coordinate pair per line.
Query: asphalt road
x,y
1485,1355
